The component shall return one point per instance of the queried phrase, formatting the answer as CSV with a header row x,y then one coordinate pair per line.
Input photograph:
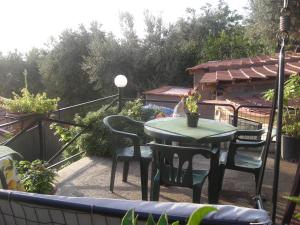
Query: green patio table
x,y
207,132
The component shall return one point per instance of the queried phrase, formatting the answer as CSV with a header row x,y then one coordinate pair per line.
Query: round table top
x,y
162,129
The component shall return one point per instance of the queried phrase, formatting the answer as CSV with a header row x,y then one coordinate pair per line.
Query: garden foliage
x,y
35,177
291,113
96,140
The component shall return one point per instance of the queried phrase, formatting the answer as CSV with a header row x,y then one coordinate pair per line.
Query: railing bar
x,y
111,104
66,145
84,103
67,159
65,122
20,133
12,122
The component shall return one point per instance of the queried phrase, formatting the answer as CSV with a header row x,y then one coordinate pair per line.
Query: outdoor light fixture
x,y
120,81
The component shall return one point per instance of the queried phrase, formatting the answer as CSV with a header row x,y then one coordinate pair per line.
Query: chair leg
x,y
256,175
144,166
197,193
125,170
113,173
221,178
155,188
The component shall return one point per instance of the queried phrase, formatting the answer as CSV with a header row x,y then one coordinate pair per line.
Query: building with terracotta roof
x,y
166,93
236,82
240,77
241,82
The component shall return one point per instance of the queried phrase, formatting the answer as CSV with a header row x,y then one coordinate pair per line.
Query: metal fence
x,y
36,140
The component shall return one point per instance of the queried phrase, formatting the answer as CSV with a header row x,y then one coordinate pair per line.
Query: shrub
x,y
35,177
291,116
96,140
136,110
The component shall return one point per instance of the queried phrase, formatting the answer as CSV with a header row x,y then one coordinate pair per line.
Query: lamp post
x,y
120,82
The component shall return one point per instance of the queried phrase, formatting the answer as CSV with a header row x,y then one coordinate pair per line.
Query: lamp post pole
x,y
120,99
120,82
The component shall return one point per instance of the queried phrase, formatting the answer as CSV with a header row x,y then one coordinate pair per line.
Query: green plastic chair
x,y
174,167
237,159
126,131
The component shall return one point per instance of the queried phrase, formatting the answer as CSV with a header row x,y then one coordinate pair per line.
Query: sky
x,y
31,23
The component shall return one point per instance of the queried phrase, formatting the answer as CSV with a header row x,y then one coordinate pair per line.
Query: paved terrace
x,y
90,176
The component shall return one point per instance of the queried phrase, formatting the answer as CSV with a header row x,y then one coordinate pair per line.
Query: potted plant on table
x,y
291,118
191,108
36,177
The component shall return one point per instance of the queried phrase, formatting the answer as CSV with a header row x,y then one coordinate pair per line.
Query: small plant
x,y
35,177
191,102
27,102
291,115
295,199
195,219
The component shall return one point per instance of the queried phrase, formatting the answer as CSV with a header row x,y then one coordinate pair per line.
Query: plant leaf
x,y
198,215
163,220
128,219
297,216
150,220
295,199
175,223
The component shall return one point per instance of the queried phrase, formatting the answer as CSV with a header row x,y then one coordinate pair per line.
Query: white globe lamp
x,y
120,81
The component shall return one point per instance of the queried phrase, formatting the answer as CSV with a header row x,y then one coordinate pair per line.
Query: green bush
x,y
134,109
96,140
291,116
35,177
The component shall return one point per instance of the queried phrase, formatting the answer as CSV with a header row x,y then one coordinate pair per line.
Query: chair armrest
x,y
250,132
135,138
250,144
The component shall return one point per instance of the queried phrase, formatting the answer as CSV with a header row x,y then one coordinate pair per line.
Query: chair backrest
x,y
175,163
123,128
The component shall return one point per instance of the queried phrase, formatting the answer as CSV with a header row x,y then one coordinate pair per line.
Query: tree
x,y
230,45
263,22
12,67
62,71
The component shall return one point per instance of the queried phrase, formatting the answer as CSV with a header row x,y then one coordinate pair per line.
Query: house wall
x,y
197,77
247,88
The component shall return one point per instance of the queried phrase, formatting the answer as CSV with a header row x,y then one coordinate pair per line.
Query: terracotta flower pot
x,y
27,119
192,119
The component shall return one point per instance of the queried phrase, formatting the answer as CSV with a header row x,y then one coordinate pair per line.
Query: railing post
x,y
41,139
235,117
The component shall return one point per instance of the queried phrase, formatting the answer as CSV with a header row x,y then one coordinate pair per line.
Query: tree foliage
x,y
81,64
263,22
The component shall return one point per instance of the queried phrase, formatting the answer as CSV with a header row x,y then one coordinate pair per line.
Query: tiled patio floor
x,y
91,176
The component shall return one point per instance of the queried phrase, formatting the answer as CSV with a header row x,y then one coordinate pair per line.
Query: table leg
x,y
144,164
213,178
153,170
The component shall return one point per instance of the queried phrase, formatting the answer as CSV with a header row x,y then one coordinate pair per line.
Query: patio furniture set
x,y
173,148
21,208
